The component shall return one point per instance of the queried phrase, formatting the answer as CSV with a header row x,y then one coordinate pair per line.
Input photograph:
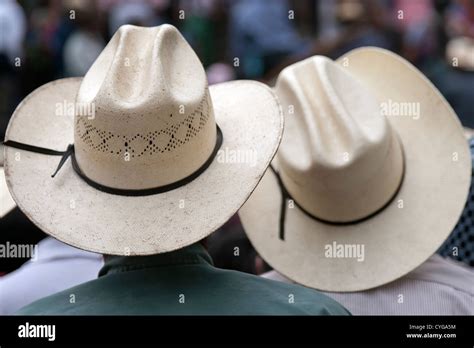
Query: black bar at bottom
x,y
421,330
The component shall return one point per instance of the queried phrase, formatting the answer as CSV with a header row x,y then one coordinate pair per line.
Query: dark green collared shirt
x,y
178,283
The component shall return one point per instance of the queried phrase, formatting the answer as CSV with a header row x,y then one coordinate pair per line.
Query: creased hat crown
x,y
339,158
152,120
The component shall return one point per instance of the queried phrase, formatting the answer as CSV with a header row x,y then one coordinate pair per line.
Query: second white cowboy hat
x,y
371,176
144,174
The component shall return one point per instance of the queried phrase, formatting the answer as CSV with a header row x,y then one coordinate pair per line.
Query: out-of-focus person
x,y
450,66
261,35
13,26
13,29
85,43
454,76
140,13
220,72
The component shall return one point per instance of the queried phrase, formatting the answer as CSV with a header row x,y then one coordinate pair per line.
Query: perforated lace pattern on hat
x,y
151,143
462,237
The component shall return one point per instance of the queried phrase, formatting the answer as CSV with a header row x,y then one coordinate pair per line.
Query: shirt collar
x,y
193,254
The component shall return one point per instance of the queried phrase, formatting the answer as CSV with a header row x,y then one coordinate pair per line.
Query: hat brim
x,y
404,234
67,208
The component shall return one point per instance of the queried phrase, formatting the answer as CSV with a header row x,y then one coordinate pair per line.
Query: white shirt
x,y
438,287
57,267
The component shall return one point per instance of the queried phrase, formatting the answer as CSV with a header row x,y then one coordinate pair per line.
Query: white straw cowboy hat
x,y
144,174
6,201
370,192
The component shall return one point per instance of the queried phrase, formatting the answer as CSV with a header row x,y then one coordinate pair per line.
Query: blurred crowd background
x,y
43,40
